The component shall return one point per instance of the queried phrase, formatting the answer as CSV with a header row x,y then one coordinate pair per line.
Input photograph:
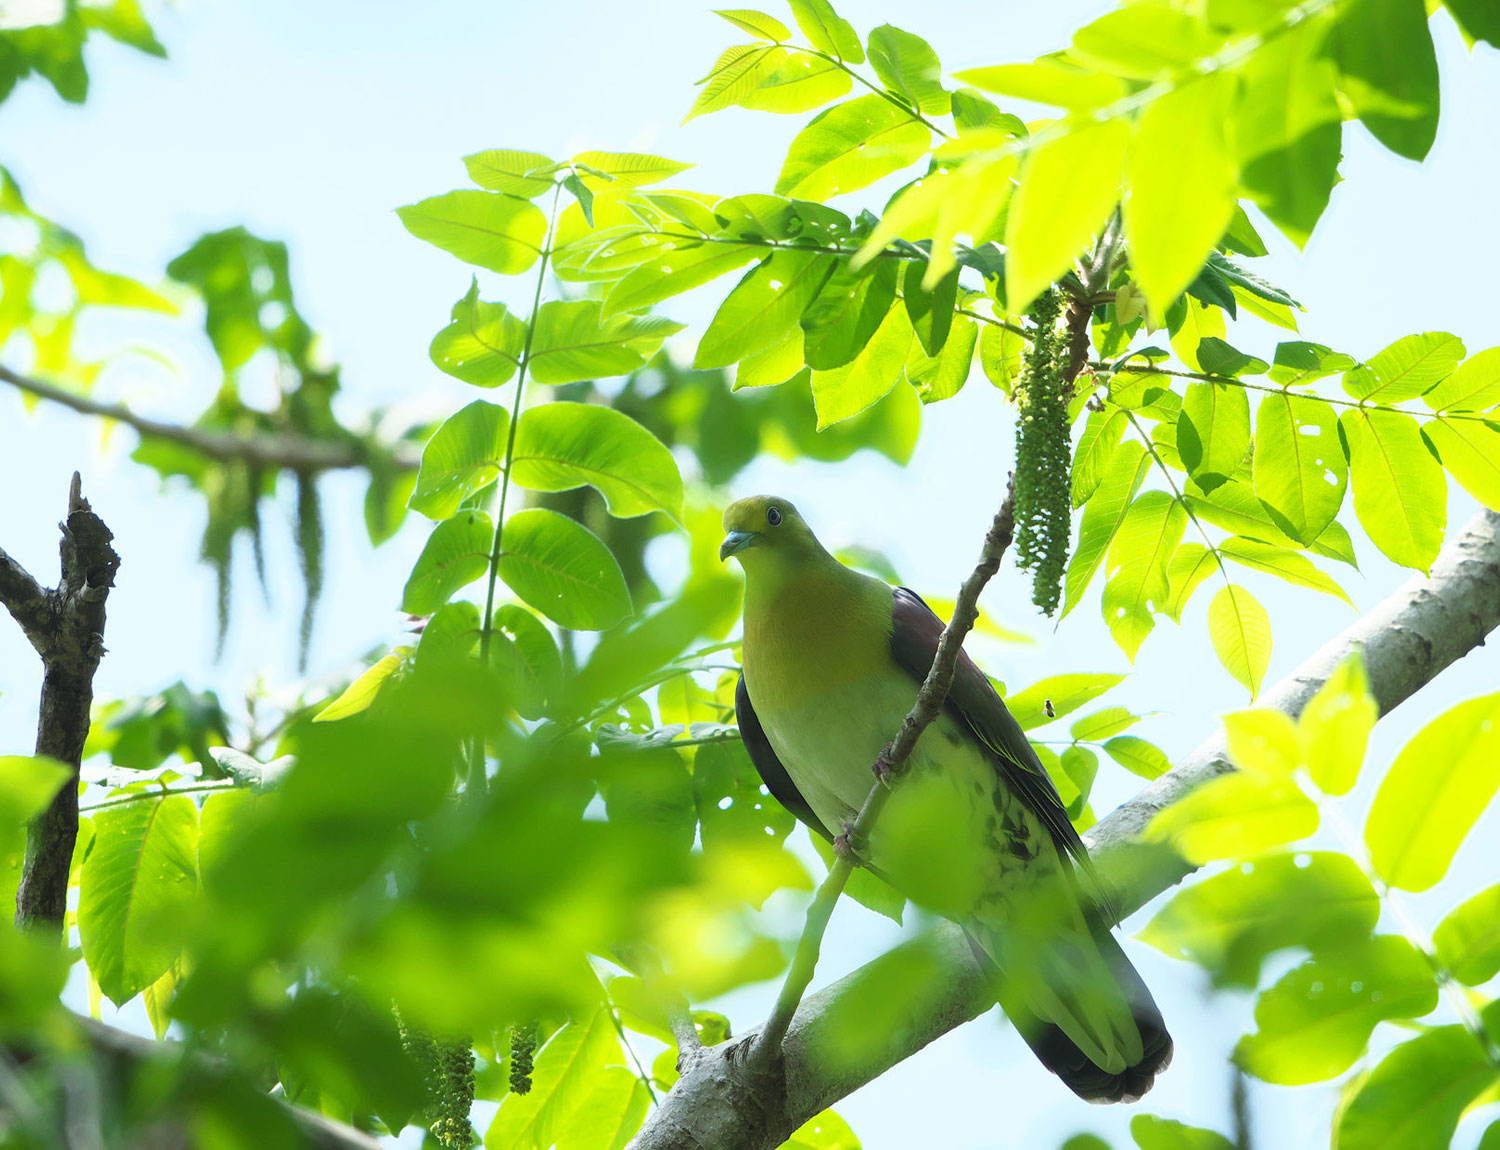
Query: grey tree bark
x,y
718,1104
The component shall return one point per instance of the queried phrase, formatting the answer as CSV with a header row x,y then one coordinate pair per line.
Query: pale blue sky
x,y
309,122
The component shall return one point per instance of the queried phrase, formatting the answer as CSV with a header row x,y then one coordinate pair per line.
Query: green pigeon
x,y
974,829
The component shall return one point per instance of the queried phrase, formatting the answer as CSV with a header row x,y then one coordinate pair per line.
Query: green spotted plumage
x,y
974,830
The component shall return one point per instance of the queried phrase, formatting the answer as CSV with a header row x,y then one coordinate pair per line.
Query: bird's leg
x,y
883,768
845,846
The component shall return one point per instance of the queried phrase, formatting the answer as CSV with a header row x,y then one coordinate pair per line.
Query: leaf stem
x,y
160,793
477,782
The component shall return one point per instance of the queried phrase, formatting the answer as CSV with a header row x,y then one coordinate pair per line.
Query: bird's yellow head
x,y
765,532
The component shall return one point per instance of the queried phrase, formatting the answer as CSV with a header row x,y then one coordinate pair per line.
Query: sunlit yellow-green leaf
x,y
1235,816
566,1072
1047,81
1153,1133
1316,1022
848,390
1470,451
1467,942
483,343
1438,786
906,64
826,30
738,72
1400,494
463,456
507,170
756,23
1263,743
799,83
1335,727
1183,182
1388,71
1142,41
560,446
849,147
572,340
1136,570
456,553
492,230
1191,564
358,695
1241,633
672,272
1069,186
1406,369
1213,432
1102,516
1281,562
763,307
1062,694
1300,469
1417,1094
1138,756
626,169
1473,386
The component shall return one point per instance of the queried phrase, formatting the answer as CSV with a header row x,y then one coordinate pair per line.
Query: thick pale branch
x,y
275,452
1406,641
24,598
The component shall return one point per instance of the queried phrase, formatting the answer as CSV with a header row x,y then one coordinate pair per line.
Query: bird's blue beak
x,y
735,542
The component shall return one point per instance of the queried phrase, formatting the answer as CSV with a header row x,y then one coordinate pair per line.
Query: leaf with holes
x,y
1300,472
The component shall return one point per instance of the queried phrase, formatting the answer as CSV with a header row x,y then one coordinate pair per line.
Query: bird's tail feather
x,y
1082,1008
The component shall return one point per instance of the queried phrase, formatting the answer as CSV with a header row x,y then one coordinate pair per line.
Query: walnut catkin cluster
x,y
1044,457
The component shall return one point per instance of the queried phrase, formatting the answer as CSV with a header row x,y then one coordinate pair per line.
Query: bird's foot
x,y
843,844
883,769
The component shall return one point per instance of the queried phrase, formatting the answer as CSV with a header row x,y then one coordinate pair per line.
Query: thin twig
x,y
887,769
276,452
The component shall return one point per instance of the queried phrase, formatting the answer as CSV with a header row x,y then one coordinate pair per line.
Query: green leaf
x,y
675,271
1470,450
566,1073
846,391
1231,922
1421,814
609,1116
1001,353
1138,756
1192,563
1063,693
560,446
625,170
140,877
756,23
1474,386
1406,369
563,570
1096,447
1051,80
1068,188
1235,816
1153,1133
491,230
849,147
572,341
27,786
825,1131
1241,633
1102,724
738,72
1144,41
1183,184
483,344
1137,567
1080,766
1291,566
1234,507
799,83
1317,1021
358,695
930,312
826,30
1298,362
1300,470
764,307
907,65
1388,71
1218,358
1288,130
1213,432
1417,1094
1467,942
1400,494
505,170
523,650
457,553
462,457
1102,516
1480,21
1263,743
450,636
1335,727
840,321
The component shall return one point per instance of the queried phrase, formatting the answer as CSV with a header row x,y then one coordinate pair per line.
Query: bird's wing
x,y
769,764
974,702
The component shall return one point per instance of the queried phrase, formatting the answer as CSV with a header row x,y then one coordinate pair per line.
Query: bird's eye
x,y
773,516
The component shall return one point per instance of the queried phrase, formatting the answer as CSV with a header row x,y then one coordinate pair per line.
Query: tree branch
x,y
1428,624
275,452
70,641
25,599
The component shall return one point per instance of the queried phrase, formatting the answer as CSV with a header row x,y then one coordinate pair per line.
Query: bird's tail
x,y
1081,1007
